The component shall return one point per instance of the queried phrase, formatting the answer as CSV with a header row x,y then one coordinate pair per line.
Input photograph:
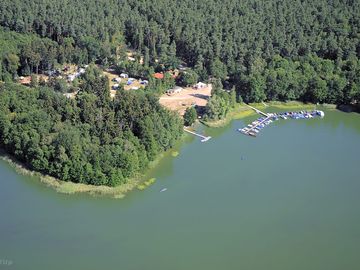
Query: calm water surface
x,y
288,199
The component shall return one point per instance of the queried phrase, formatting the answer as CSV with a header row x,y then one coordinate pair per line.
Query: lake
x,y
288,199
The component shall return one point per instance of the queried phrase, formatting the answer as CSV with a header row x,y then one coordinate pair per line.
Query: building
x,y
158,75
81,70
200,85
144,82
175,90
25,80
118,80
71,77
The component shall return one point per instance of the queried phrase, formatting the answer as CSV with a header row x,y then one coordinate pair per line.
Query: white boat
x,y
163,189
206,139
321,113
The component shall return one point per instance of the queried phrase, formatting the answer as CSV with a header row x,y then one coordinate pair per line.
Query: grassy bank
x,y
242,111
293,105
70,187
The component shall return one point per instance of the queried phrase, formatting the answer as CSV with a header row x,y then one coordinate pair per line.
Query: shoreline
x,y
118,192
242,111
65,187
69,188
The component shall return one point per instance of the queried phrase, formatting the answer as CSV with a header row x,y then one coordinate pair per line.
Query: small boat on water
x,y
163,189
206,139
320,113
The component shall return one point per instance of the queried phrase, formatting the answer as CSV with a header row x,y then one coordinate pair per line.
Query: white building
x,y
81,70
200,85
71,77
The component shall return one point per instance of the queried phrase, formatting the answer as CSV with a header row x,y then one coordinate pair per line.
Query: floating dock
x,y
256,126
203,138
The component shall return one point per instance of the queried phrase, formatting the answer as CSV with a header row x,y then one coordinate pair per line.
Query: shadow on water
x,y
349,108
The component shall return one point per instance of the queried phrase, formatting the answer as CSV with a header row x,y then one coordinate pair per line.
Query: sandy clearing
x,y
188,97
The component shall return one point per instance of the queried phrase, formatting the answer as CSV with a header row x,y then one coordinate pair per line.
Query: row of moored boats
x,y
260,123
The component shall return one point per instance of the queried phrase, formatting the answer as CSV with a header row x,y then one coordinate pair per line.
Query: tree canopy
x,y
91,139
250,43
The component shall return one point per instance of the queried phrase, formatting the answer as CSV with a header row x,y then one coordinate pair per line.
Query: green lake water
x,y
286,200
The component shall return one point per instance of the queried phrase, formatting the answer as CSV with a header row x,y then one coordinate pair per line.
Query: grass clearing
x,y
240,111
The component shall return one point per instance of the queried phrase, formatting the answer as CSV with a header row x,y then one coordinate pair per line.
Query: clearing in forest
x,y
188,97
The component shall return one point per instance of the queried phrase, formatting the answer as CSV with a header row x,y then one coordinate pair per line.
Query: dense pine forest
x,y
292,49
262,50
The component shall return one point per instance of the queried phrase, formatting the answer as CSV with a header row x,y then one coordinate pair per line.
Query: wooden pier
x,y
203,138
253,128
256,125
256,110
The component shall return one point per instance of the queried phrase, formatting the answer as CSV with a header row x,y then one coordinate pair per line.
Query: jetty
x,y
267,118
203,138
254,128
257,110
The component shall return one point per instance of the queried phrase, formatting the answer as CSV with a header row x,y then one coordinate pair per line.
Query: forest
x,y
91,139
250,50
268,50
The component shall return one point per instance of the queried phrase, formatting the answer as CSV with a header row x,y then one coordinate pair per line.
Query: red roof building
x,y
25,80
159,75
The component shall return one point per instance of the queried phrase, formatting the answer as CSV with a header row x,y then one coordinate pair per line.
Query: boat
x,y
320,113
163,189
252,134
206,139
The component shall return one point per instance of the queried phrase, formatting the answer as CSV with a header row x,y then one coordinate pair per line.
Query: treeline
x,y
220,102
236,41
236,32
308,79
90,139
23,54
